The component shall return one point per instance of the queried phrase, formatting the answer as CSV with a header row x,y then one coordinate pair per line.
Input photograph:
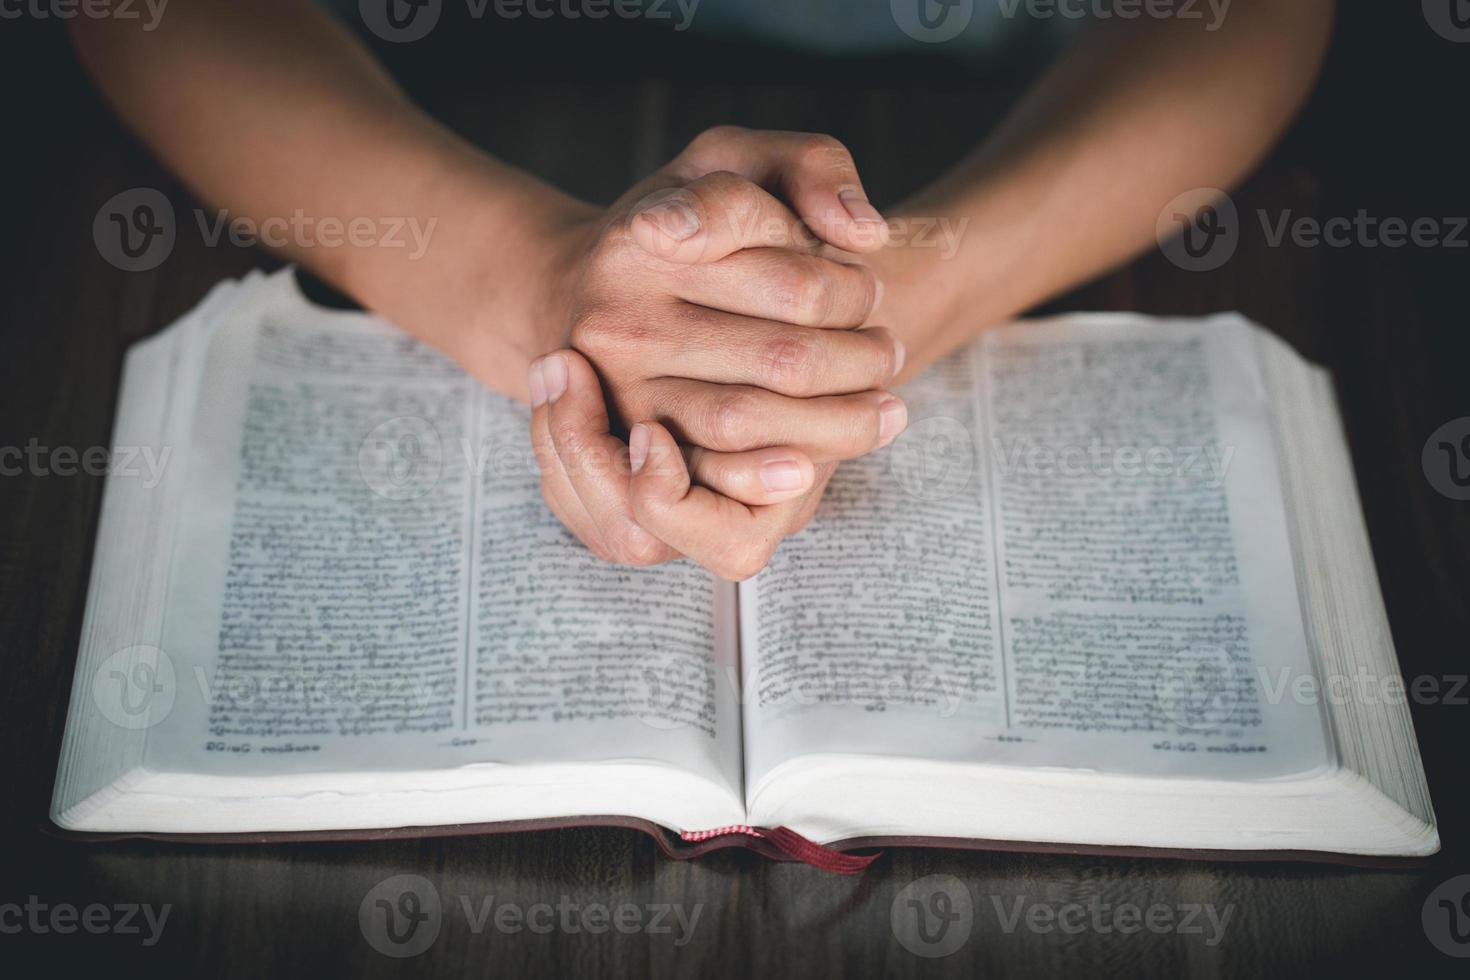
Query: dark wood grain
x,y
1390,325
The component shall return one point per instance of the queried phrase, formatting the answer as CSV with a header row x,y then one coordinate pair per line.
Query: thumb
x,y
825,192
730,539
660,475
812,172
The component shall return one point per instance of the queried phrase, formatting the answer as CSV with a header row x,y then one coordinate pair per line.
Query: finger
x,y
738,418
762,477
805,508
714,216
727,537
814,172
707,345
779,284
556,489
793,515
593,460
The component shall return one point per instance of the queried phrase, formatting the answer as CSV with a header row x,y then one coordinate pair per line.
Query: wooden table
x,y
1386,322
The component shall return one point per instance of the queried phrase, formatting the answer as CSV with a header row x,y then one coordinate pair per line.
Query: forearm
x,y
1072,183
271,109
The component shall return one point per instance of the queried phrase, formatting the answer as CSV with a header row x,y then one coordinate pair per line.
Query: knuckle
x,y
805,295
742,561
732,419
735,481
788,362
602,333
707,468
884,352
713,139
816,299
866,425
865,290
570,446
725,192
686,319
634,546
821,151
719,473
650,507
590,331
857,432
615,242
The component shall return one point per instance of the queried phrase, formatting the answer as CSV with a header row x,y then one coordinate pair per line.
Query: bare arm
x,y
1072,183
270,107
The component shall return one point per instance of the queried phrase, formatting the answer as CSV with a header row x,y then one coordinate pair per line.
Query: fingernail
x,y
537,383
555,371
674,218
781,474
877,296
638,446
858,206
893,417
900,354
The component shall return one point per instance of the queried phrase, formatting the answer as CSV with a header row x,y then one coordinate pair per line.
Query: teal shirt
x,y
998,31
987,29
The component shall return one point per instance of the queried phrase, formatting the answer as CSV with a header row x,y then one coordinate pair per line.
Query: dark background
x,y
592,108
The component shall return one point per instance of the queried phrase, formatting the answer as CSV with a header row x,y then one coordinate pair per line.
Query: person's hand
x,y
707,306
635,503
703,301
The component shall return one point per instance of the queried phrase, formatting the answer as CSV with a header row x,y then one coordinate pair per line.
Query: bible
x,y
1111,590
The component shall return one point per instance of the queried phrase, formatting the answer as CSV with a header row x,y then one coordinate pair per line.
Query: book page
x,y
575,658
1077,556
367,579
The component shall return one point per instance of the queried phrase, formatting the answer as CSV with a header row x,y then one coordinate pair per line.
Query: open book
x,y
1112,588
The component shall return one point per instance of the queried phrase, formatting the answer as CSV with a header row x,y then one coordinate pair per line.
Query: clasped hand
x,y
719,315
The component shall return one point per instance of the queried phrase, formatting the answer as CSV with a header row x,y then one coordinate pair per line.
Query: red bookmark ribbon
x,y
791,844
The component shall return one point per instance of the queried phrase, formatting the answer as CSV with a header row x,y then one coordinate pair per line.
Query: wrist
x,y
947,277
481,283
922,300
522,300
560,256
514,243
